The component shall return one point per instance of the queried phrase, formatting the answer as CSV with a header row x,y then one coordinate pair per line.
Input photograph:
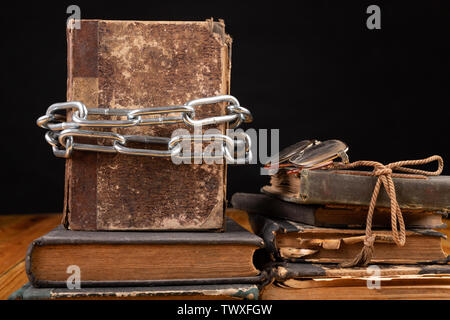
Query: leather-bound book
x,y
330,216
343,189
305,281
143,64
296,242
130,259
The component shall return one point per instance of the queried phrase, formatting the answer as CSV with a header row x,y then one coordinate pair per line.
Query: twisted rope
x,y
385,174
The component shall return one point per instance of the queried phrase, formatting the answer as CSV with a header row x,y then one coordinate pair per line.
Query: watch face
x,y
290,151
318,154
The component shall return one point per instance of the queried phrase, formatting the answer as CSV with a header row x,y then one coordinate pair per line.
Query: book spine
x,y
267,229
80,197
28,262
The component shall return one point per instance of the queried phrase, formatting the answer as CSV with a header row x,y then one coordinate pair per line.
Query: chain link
x,y
61,133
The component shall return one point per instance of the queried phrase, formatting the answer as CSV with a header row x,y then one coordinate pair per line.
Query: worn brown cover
x,y
269,229
137,64
341,188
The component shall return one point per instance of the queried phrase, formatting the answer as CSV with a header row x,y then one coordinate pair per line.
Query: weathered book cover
x,y
141,64
331,217
282,271
305,281
295,242
331,187
200,292
130,259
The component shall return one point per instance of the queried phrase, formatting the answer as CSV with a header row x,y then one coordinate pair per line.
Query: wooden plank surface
x,y
17,232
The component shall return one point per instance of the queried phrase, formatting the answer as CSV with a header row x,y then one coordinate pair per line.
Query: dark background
x,y
312,69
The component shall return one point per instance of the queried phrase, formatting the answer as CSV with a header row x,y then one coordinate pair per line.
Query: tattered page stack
x,y
330,282
119,173
312,221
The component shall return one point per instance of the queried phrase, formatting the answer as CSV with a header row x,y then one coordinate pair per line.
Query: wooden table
x,y
16,233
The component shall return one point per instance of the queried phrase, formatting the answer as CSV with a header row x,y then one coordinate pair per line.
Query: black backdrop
x,y
312,70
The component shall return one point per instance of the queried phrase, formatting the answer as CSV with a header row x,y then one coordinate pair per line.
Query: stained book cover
x,y
282,271
200,292
331,216
142,64
341,188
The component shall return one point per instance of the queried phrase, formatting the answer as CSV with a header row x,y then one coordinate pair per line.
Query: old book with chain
x,y
132,65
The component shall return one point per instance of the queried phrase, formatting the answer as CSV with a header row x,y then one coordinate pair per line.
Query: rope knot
x,y
384,174
382,171
369,241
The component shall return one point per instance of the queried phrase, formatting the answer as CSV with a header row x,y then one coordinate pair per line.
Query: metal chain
x,y
60,134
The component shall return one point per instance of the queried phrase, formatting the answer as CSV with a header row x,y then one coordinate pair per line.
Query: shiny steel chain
x,y
61,133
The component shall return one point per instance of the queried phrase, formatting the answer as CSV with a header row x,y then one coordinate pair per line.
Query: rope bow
x,y
385,174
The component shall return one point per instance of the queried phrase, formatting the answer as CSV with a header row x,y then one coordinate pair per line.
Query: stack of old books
x,y
144,227
313,224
